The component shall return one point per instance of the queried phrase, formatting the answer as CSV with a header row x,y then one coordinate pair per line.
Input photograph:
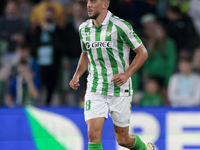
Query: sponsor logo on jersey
x,y
106,44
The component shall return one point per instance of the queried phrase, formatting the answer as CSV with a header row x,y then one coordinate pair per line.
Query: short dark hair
x,y
152,78
23,46
159,81
186,59
175,9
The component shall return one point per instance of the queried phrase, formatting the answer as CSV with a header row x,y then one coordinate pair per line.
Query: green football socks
x,y
138,145
95,146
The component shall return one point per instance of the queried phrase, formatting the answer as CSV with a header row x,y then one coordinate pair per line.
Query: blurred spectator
x,y
23,52
73,47
181,29
65,78
48,45
184,87
161,6
148,22
65,3
162,55
138,93
37,14
161,62
24,88
4,76
12,28
196,60
135,81
135,9
25,10
182,4
151,97
194,13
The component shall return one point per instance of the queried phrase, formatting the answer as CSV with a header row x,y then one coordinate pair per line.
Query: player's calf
x,y
94,135
124,142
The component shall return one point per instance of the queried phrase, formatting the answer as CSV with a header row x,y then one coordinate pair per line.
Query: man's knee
x,y
94,135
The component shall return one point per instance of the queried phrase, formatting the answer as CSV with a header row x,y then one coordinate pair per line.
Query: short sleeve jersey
x,y
108,49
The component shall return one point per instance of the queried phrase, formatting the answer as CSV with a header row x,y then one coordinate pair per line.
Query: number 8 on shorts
x,y
87,105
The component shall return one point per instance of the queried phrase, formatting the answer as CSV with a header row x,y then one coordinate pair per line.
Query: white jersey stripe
x,y
107,63
95,57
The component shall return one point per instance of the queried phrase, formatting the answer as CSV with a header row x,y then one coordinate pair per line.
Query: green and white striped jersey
x,y
108,49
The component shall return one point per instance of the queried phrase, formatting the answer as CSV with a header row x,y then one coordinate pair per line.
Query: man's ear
x,y
106,5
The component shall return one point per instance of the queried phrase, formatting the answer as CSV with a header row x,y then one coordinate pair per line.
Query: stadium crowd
x,y
40,49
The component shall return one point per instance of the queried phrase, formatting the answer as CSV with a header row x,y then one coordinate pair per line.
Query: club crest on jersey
x,y
108,33
105,44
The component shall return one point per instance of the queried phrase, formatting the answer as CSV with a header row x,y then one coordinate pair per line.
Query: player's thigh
x,y
95,111
120,110
95,106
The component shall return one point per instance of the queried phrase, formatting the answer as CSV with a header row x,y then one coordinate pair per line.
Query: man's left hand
x,y
120,78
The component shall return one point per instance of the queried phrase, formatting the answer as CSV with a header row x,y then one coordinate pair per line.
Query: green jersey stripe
x,y
125,37
112,59
121,52
95,75
102,62
137,38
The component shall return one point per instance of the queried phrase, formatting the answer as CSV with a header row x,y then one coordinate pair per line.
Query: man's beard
x,y
94,16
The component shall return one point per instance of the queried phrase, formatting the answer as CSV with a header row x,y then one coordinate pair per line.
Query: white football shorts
x,y
97,106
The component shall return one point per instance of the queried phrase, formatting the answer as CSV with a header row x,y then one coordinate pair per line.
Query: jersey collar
x,y
105,22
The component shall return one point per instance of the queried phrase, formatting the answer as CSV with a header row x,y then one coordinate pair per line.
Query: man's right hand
x,y
74,83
